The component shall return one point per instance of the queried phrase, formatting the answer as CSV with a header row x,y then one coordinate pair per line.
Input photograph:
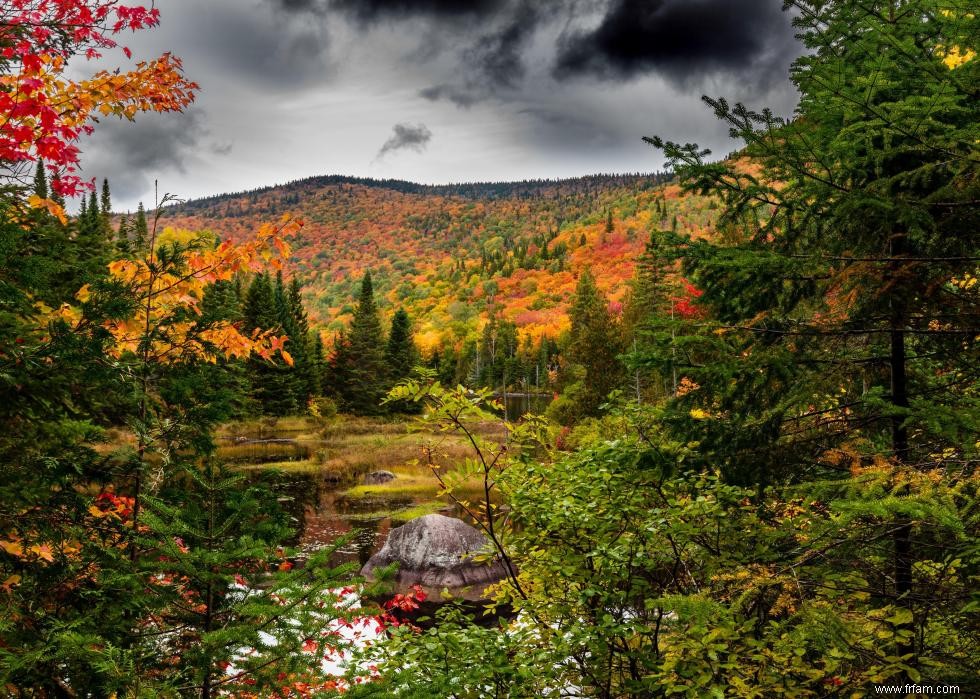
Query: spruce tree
x,y
105,206
40,181
92,247
318,364
843,307
594,344
366,385
401,356
273,389
141,231
307,370
123,243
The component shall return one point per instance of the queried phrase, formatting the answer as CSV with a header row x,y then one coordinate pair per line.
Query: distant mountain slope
x,y
451,253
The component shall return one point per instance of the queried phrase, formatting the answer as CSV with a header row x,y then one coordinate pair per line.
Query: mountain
x,y
449,254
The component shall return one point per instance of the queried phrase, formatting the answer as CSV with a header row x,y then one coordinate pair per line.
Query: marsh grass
x,y
307,466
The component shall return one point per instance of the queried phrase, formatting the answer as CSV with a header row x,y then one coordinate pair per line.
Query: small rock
x,y
378,477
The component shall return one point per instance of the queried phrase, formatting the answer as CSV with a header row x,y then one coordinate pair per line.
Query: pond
x,y
319,474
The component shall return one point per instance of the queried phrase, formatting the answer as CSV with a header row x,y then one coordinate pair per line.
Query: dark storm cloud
x,y
133,154
498,56
683,40
377,10
413,137
384,9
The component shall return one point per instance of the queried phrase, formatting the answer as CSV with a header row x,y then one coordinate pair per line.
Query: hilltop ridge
x,y
454,254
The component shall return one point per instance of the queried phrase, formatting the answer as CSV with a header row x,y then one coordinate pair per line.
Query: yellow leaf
x,y
12,547
53,207
43,552
287,357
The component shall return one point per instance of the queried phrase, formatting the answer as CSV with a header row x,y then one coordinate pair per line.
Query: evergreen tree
x,y
842,307
318,364
40,181
123,242
92,247
141,231
401,356
593,345
308,371
105,206
106,199
273,389
362,354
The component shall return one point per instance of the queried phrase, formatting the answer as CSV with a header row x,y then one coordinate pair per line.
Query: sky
x,y
437,91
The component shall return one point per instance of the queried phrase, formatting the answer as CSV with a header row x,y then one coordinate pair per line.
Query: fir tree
x,y
307,370
594,345
401,355
841,304
363,353
273,389
141,231
40,181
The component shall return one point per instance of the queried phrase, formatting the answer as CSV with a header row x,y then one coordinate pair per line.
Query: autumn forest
x,y
709,430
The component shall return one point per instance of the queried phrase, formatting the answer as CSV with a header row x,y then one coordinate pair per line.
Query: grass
x,y
310,466
404,485
416,511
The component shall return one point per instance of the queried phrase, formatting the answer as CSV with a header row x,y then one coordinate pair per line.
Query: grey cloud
x,y
459,96
414,137
257,46
133,154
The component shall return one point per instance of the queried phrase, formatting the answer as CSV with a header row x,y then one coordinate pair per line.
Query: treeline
x,y
469,190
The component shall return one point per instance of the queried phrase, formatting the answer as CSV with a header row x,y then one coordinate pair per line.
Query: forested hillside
x,y
244,439
455,255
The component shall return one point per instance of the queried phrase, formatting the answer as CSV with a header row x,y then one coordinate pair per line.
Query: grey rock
x,y
436,552
378,477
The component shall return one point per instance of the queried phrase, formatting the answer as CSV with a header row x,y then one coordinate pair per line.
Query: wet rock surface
x,y
436,552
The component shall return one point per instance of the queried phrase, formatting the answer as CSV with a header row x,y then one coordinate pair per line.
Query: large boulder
x,y
436,552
